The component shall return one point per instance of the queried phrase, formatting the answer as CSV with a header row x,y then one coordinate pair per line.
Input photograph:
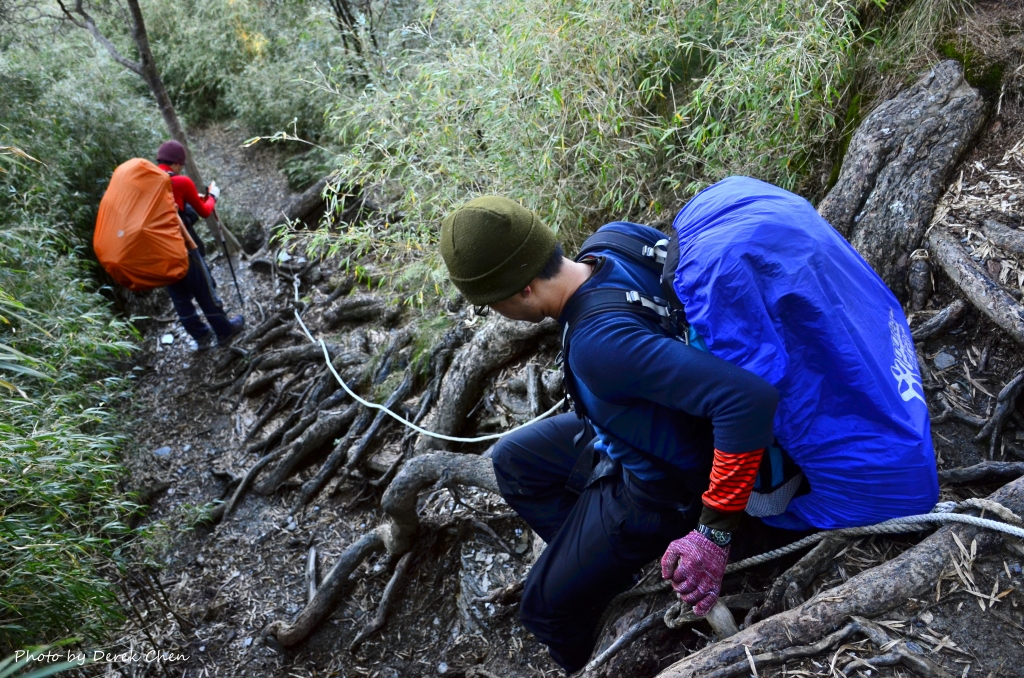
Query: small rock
x,y
442,668
167,339
283,256
247,642
291,526
202,648
186,448
927,617
944,361
162,451
200,560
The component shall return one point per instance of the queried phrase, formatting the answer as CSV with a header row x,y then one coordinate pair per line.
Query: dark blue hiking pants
x,y
198,285
597,540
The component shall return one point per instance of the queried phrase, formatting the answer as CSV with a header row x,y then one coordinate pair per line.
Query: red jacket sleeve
x,y
185,193
732,480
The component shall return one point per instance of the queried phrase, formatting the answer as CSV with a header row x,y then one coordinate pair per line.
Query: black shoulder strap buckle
x,y
651,255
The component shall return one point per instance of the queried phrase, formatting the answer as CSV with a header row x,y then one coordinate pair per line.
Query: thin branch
x,y
88,24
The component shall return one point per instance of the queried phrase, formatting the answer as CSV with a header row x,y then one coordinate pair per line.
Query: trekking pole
x,y
227,255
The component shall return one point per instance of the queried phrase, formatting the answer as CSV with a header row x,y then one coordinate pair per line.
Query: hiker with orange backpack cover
x,y
197,284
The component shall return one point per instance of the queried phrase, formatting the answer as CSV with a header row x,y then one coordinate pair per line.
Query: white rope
x,y
406,422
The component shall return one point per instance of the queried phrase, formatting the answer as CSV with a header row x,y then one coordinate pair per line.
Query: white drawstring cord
x,y
405,422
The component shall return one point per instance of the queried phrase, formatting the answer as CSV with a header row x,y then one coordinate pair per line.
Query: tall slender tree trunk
x,y
163,101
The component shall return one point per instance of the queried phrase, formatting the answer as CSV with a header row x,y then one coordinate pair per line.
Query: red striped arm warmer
x,y
732,479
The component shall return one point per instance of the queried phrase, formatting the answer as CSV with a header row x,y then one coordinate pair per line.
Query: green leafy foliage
x,y
67,117
587,111
246,60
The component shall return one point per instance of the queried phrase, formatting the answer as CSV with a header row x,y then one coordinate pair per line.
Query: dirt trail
x,y
225,584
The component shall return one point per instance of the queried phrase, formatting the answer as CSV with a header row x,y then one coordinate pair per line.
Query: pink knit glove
x,y
695,565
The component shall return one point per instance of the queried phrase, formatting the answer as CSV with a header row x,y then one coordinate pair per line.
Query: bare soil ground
x,y
219,586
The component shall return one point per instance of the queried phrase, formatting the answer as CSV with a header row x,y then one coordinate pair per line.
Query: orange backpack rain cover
x,y
138,235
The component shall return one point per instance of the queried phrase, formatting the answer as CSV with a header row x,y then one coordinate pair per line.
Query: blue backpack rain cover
x,y
773,288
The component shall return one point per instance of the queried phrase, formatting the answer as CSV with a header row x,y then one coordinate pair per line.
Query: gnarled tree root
x,y
867,594
390,592
495,344
898,653
1006,401
897,167
397,534
330,590
940,321
311,487
975,283
985,471
328,426
788,589
674,617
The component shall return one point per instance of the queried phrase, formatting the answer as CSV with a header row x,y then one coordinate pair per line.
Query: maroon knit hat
x,y
171,153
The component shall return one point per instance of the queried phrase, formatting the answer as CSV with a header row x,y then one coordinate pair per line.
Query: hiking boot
x,y
237,323
207,341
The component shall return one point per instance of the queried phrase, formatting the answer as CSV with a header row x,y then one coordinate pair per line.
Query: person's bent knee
x,y
504,457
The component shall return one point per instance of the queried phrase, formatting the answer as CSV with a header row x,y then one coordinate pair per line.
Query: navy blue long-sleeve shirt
x,y
647,392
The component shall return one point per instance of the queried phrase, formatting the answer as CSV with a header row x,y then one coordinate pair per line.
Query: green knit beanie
x,y
493,247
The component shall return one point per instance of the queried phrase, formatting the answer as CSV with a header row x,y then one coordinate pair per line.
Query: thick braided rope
x,y
893,526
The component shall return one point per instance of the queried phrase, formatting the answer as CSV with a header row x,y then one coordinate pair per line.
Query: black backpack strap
x,y
668,273
649,254
603,300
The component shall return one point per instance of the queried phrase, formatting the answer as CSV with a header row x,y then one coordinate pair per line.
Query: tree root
x,y
940,321
263,381
277,401
390,593
495,344
330,590
313,486
985,471
1002,236
899,653
396,535
951,411
224,510
329,425
356,454
674,616
273,335
312,353
632,633
504,595
975,283
867,594
351,455
360,308
1006,401
787,590
399,500
311,583
897,166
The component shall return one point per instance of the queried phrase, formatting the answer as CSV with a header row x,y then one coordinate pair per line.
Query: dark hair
x,y
553,265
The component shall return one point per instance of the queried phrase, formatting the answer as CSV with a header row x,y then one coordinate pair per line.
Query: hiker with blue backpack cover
x,y
750,368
